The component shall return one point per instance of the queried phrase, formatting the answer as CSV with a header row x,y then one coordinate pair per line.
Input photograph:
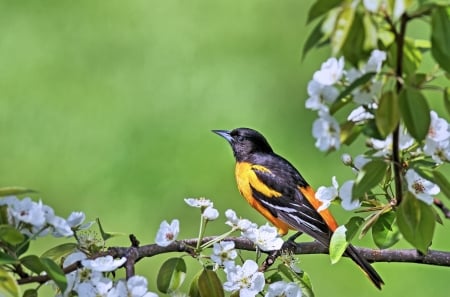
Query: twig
x,y
436,258
442,207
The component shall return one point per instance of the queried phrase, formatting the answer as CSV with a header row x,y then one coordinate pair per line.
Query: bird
x,y
276,189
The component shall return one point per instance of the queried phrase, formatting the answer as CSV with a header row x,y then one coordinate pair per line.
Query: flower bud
x,y
347,159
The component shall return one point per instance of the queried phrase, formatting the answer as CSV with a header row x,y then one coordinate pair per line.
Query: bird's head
x,y
245,142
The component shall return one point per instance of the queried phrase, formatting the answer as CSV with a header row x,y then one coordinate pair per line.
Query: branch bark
x,y
137,253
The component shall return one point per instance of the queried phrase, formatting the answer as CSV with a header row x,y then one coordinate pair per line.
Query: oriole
x,y
272,186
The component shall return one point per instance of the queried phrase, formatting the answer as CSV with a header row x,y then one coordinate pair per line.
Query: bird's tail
x,y
365,266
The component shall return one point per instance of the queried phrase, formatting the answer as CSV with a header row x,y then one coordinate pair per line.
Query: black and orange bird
x,y
272,186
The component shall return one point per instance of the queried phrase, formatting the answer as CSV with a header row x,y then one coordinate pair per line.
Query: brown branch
x,y
135,254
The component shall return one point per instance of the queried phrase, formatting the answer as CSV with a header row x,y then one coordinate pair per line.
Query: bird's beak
x,y
225,134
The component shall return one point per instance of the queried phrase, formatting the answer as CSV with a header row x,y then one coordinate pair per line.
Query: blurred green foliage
x,y
107,106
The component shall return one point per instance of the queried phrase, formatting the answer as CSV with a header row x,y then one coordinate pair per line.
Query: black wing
x,y
291,207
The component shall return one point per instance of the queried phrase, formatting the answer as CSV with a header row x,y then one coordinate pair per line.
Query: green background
x,y
107,106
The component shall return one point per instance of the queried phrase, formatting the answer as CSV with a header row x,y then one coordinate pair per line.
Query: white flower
x,y
330,72
198,202
372,5
137,287
327,131
241,224
60,227
98,288
320,96
421,188
265,237
76,219
246,279
103,264
439,129
368,93
28,211
384,147
360,161
347,159
375,61
210,213
167,233
438,151
283,289
360,114
327,194
345,193
223,252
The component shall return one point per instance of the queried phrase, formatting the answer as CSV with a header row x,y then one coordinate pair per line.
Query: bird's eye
x,y
240,138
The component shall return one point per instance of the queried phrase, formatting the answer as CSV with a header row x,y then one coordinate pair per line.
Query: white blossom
x,y
265,237
28,211
283,289
439,129
167,233
345,193
223,252
210,213
438,151
103,264
327,131
246,279
241,224
320,96
360,114
422,188
330,72
198,202
375,61
60,227
327,194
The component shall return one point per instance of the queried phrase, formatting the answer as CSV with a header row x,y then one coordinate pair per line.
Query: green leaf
x,y
59,251
13,191
442,182
320,8
353,226
370,33
314,38
209,284
8,285
354,51
107,235
7,259
55,273
338,244
440,41
301,278
384,232
33,263
11,235
412,57
416,80
171,275
415,112
416,222
305,283
387,116
349,132
273,278
343,24
368,177
347,91
193,288
30,293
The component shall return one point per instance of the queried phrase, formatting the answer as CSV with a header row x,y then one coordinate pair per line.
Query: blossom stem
x,y
201,232
217,239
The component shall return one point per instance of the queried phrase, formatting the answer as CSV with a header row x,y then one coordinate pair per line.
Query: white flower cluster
x,y
37,219
90,280
246,278
323,92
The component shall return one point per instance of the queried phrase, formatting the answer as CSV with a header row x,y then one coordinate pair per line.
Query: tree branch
x,y
135,253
